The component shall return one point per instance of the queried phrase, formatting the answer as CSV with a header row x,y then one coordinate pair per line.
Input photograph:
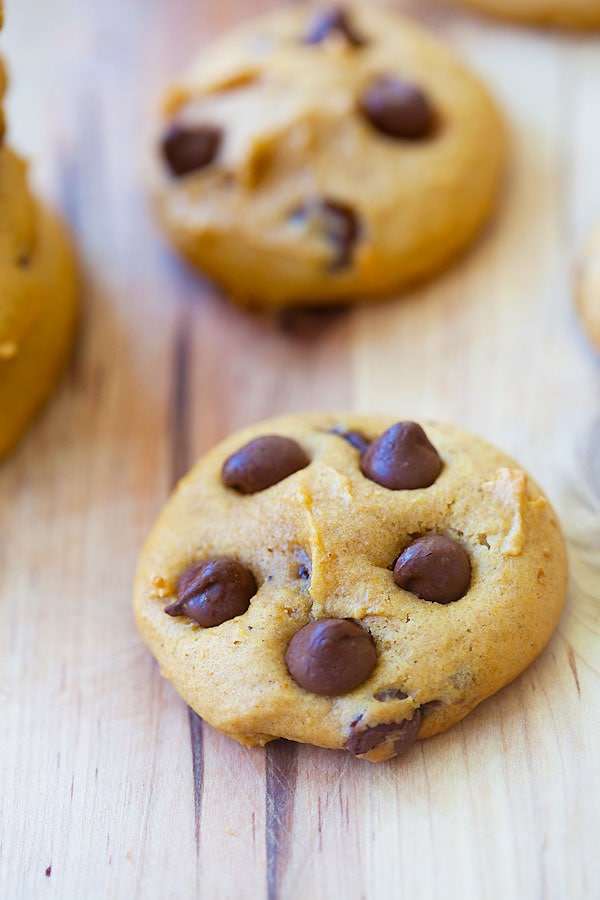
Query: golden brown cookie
x,y
584,14
30,366
349,581
38,295
588,288
316,156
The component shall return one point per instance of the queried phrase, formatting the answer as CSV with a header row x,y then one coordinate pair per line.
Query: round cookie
x,y
588,294
584,14
349,581
320,156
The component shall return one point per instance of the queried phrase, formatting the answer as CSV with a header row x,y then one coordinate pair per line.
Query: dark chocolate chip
x,y
263,462
338,224
356,438
402,735
402,459
306,323
398,109
187,149
213,591
333,21
342,229
391,694
303,572
434,568
331,656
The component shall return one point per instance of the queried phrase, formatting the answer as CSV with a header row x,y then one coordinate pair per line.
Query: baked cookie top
x,y
588,288
565,13
349,581
321,154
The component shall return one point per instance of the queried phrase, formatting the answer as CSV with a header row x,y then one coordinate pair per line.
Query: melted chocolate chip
x,y
342,229
333,21
263,462
398,109
434,568
187,149
356,438
331,656
213,591
337,222
391,694
402,459
402,735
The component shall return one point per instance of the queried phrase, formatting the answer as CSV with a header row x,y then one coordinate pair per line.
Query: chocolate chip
x,y
402,735
355,438
333,21
342,229
434,568
189,149
398,109
213,591
391,694
303,572
331,656
337,222
306,323
402,459
263,462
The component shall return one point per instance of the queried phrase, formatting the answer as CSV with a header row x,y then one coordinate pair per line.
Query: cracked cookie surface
x,y
353,615
318,157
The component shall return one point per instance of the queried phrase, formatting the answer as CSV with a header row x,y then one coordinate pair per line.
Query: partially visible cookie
x,y
349,581
38,295
578,14
30,366
588,288
320,155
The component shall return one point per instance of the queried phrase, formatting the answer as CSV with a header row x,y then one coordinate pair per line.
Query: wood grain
x,y
109,787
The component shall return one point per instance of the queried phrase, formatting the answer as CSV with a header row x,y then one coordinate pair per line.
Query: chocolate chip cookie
x,y
588,288
321,155
349,581
563,13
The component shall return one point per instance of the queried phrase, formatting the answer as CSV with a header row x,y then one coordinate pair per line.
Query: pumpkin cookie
x,y
38,295
349,581
319,156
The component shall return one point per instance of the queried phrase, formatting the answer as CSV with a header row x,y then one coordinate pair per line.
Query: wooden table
x,y
109,787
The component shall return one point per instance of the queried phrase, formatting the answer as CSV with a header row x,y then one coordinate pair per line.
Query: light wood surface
x,y
109,787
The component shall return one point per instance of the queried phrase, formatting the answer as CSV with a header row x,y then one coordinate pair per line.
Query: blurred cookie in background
x,y
38,296
323,155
